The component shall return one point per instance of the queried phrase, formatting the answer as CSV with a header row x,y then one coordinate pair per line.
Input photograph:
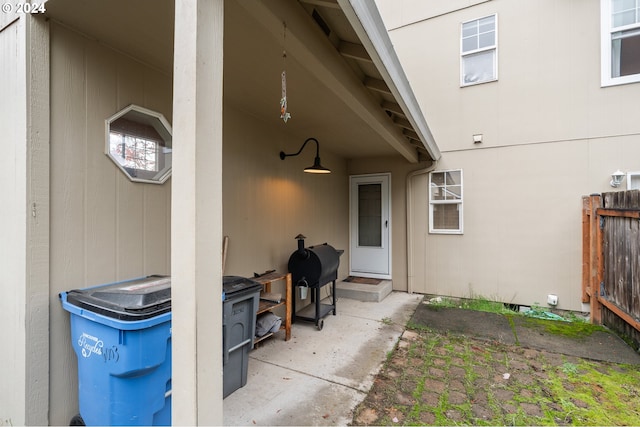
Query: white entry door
x,y
370,211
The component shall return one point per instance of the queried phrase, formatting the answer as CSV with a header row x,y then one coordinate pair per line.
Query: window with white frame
x,y
633,181
445,202
479,51
620,45
134,152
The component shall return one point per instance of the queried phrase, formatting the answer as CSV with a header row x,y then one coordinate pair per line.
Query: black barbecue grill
x,y
314,267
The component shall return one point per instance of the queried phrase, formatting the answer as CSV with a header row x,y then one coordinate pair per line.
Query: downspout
x,y
409,209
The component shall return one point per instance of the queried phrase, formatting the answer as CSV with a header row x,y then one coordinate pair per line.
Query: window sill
x,y
618,81
478,83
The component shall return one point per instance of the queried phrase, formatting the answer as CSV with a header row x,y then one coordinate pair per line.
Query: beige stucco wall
x,y
406,12
547,91
399,170
522,221
550,135
268,201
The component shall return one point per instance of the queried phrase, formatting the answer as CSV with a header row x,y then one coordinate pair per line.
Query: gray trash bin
x,y
240,298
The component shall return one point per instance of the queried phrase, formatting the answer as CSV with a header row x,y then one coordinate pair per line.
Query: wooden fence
x,y
611,261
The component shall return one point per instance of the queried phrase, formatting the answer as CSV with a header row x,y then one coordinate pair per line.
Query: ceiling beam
x,y
322,60
332,4
392,107
424,156
402,122
355,51
377,85
410,134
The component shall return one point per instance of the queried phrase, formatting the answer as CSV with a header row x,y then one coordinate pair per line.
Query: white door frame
x,y
384,272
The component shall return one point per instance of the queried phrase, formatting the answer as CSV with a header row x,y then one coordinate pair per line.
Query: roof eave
x,y
365,19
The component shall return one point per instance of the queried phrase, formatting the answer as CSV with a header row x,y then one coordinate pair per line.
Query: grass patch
x,y
448,379
386,321
568,329
601,394
569,368
478,303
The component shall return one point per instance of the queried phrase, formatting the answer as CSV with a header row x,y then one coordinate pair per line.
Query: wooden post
x,y
289,294
196,213
25,188
595,260
586,248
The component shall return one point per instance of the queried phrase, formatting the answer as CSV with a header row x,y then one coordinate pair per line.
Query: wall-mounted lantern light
x,y
616,178
317,167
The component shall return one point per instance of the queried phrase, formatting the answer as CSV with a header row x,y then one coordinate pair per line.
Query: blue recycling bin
x,y
121,335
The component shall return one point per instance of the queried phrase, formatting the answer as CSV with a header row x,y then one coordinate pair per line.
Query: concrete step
x,y
364,292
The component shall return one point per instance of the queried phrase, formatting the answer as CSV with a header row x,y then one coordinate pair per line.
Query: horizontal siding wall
x,y
103,227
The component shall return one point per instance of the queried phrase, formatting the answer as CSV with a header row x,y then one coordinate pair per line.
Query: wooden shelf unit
x,y
266,280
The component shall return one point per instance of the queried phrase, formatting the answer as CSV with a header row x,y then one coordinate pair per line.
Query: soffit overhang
x,y
345,84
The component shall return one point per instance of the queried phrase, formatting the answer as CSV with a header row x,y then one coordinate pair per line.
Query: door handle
x,y
386,224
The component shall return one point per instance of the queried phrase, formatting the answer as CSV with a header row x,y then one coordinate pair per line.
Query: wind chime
x,y
284,114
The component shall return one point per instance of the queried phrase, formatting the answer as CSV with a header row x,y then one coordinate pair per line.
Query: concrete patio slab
x,y
318,377
515,329
469,322
599,345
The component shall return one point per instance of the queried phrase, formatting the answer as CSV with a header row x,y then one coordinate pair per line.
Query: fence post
x,y
596,261
586,248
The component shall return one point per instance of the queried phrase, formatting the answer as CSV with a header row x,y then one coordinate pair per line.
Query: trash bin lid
x,y
136,299
236,285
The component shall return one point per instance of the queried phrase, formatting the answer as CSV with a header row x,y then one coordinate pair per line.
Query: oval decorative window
x,y
139,143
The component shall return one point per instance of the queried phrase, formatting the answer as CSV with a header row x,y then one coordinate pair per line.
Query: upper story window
x,y
445,202
479,51
620,49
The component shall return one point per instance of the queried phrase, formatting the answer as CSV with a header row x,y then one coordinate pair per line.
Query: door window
x,y
370,215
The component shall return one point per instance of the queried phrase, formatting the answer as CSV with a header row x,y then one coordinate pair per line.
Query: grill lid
x,y
315,265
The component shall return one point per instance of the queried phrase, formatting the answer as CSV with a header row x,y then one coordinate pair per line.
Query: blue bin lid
x,y
131,300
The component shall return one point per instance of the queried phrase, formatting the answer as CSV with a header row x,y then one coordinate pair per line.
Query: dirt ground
x,y
435,378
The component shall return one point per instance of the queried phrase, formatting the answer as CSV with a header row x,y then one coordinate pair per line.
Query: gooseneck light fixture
x,y
317,167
